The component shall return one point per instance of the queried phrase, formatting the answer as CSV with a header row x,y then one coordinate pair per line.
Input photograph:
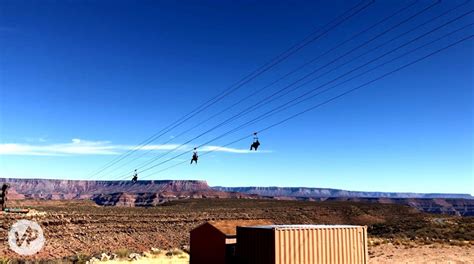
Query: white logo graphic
x,y
26,237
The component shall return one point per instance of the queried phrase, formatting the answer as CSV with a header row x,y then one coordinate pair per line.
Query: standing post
x,y
3,196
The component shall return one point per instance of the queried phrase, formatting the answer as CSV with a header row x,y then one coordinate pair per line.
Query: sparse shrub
x,y
459,243
186,248
434,246
134,256
427,242
78,259
155,251
397,242
123,253
355,211
175,252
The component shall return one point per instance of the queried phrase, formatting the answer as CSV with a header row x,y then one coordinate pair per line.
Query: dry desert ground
x,y
79,230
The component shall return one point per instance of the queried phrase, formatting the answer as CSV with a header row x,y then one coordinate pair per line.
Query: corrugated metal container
x,y
302,244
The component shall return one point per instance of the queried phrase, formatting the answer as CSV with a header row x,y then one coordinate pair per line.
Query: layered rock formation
x,y
151,193
326,193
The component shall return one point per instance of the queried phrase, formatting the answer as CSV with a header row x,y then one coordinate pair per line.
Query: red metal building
x,y
214,242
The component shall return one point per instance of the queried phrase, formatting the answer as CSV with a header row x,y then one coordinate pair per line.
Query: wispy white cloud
x,y
85,147
75,147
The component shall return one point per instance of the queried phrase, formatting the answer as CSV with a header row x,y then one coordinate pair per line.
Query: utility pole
x,y
3,196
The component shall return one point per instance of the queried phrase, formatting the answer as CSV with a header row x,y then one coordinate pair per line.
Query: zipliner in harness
x,y
195,156
255,143
135,177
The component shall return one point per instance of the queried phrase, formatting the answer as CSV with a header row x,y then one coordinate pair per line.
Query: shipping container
x,y
302,244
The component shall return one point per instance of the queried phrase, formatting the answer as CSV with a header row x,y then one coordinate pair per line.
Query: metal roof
x,y
228,227
285,227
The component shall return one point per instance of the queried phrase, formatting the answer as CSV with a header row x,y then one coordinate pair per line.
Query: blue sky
x,y
82,82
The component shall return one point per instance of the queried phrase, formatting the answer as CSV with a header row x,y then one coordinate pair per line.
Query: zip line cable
x,y
284,107
258,118
359,67
287,53
358,87
332,99
269,85
249,109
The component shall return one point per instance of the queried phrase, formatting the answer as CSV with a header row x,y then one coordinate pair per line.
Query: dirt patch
x,y
432,254
76,229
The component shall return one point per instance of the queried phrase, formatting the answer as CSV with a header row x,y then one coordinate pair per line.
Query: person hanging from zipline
x,y
255,143
135,177
195,156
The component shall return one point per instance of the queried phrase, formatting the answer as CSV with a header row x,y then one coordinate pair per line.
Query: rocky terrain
x,y
453,204
152,193
78,189
327,193
155,198
77,229
459,207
